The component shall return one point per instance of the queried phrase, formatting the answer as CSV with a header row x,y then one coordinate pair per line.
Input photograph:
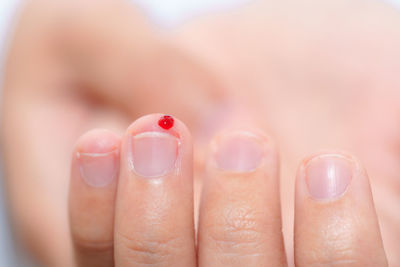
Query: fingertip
x,y
155,194
158,122
331,175
242,150
97,141
157,132
240,202
93,183
335,218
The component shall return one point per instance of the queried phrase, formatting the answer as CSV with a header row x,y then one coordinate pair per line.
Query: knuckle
x,y
240,229
330,249
147,251
314,260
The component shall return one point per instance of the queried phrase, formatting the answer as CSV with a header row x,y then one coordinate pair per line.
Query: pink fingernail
x,y
98,169
154,154
328,176
239,152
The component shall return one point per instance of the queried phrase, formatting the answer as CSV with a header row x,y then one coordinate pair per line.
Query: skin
x,y
319,92
239,213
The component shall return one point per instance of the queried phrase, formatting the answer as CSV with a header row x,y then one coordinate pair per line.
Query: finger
x,y
240,216
93,185
117,54
108,51
154,211
335,219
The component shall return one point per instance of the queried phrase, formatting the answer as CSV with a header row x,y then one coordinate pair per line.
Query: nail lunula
x,y
166,122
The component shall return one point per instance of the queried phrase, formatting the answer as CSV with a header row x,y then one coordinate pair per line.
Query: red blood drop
x,y
166,122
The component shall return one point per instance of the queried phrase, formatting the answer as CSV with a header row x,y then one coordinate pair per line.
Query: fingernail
x,y
154,153
98,169
328,176
239,152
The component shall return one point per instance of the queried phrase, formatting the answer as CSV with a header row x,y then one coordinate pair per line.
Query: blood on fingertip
x,y
166,122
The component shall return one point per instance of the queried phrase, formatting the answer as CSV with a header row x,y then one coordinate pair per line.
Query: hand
x,y
73,66
317,76
131,202
84,72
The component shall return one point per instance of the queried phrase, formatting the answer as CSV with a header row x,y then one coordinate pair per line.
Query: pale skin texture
x,y
311,75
